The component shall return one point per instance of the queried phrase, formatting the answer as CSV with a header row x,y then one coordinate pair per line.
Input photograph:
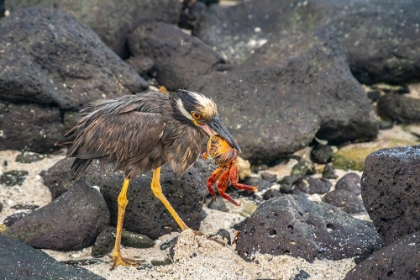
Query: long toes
x,y
125,262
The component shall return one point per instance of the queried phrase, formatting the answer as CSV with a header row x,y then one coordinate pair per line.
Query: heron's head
x,y
200,111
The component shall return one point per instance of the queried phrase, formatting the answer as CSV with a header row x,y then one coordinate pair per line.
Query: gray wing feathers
x,y
121,138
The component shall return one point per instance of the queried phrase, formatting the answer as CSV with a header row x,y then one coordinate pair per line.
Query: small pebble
x,y
329,172
13,177
218,204
321,154
350,182
345,200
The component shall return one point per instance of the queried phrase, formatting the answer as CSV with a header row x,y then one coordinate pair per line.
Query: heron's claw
x,y
119,260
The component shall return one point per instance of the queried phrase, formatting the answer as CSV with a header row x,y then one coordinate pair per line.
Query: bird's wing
x,y
185,148
118,137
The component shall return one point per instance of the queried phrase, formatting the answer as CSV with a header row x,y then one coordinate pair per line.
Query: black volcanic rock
x,y
391,54
399,108
179,58
285,101
20,261
70,222
296,226
144,214
398,260
49,57
349,182
112,20
345,200
52,66
391,191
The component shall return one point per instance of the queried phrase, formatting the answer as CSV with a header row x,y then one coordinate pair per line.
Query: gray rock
x,y
13,177
70,222
398,260
399,108
142,64
261,183
271,194
390,191
295,226
144,214
29,157
218,204
287,183
112,20
20,261
179,58
345,200
390,55
349,182
49,57
105,241
321,154
269,177
297,102
318,185
312,185
31,126
10,220
329,172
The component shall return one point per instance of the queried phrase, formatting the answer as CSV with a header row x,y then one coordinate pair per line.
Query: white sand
x,y
210,261
195,256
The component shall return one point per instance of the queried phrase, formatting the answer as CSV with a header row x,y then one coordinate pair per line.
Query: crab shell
x,y
220,150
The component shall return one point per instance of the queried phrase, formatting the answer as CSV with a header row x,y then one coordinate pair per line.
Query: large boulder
x,y
399,108
70,222
398,260
284,101
29,126
293,225
390,54
112,20
52,64
179,58
20,261
144,213
391,191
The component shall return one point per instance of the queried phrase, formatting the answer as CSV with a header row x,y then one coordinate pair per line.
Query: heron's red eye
x,y
196,115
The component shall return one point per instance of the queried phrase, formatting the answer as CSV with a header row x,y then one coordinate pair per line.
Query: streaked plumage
x,y
138,133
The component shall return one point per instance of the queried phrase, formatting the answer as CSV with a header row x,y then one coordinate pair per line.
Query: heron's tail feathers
x,y
79,165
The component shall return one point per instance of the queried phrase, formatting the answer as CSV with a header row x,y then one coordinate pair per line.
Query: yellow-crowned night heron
x,y
137,133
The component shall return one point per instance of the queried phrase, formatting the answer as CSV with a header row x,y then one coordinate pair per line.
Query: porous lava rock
x,y
391,191
293,225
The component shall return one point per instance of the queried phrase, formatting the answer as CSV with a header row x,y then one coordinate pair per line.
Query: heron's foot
x,y
119,260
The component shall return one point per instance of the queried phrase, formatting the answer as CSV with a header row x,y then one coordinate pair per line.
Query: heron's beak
x,y
215,126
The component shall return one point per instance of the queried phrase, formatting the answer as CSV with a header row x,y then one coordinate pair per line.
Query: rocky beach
x,y
322,96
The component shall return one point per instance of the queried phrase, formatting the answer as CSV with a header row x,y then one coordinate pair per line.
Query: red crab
x,y
225,157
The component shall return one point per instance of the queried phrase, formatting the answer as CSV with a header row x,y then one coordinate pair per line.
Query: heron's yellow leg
x,y
157,191
122,204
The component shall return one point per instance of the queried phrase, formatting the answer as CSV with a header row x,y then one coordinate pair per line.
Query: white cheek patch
x,y
182,109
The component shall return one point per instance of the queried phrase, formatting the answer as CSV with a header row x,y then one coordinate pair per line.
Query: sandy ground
x,y
195,256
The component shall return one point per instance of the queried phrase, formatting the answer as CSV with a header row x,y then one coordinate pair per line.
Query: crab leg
x,y
234,179
222,186
212,180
